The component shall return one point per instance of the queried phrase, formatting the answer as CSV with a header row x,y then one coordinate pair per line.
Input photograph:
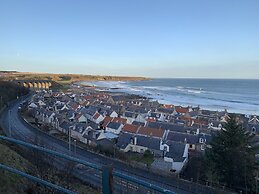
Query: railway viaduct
x,y
34,84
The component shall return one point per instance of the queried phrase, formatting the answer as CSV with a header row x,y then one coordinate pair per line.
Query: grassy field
x,y
66,78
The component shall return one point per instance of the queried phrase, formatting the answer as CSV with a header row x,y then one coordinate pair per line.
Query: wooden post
x,y
107,180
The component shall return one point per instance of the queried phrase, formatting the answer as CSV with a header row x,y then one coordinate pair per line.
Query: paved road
x,y
19,129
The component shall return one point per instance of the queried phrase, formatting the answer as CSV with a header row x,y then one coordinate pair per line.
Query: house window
x,y
131,141
202,140
253,129
190,146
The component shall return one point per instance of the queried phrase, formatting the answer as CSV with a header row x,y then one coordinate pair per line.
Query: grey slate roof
x,y
155,115
44,111
91,135
119,98
181,137
123,140
65,125
208,137
90,110
176,151
194,113
92,125
149,142
114,125
179,122
166,110
70,114
80,127
141,110
138,123
130,114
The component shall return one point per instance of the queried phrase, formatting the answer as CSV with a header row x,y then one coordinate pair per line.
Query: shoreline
x,y
160,98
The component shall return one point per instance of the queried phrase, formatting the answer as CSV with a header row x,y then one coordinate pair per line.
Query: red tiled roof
x,y
106,121
96,115
186,118
88,97
130,128
151,131
168,106
78,116
119,120
182,110
75,106
201,122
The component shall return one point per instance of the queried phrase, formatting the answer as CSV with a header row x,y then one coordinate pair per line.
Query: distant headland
x,y
64,78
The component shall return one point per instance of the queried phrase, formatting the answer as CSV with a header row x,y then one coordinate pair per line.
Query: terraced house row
x,y
133,124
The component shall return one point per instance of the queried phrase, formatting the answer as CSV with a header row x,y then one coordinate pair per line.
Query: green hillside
x,y
11,183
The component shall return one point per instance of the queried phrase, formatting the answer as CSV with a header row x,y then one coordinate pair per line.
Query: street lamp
x,y
69,139
1,102
75,146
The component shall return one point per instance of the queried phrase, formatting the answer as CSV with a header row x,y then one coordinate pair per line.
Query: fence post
x,y
107,180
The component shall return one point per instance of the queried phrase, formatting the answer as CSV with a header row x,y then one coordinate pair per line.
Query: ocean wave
x,y
190,90
192,96
162,88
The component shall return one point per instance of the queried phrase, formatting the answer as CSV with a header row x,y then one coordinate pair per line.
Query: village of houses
x,y
132,124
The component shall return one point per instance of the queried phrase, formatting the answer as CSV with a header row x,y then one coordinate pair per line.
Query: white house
x,y
90,136
81,118
177,155
130,116
33,105
140,118
41,103
107,135
114,127
78,131
114,114
97,118
138,143
48,117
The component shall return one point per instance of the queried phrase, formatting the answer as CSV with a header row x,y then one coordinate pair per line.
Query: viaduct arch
x,y
35,84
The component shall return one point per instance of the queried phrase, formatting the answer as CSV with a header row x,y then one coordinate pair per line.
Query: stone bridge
x,y
34,84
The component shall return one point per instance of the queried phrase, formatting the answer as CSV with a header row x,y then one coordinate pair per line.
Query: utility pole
x,y
9,124
69,139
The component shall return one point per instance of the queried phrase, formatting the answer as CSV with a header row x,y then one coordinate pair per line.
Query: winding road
x,y
17,128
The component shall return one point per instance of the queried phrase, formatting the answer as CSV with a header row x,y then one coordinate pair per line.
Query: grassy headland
x,y
65,78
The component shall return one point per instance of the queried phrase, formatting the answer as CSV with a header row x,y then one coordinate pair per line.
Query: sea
x,y
235,95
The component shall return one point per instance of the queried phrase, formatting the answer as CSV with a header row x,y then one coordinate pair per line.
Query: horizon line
x,y
15,71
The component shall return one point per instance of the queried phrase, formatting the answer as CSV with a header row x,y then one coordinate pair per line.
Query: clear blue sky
x,y
162,38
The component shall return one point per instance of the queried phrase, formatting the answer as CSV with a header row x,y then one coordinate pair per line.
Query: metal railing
x,y
112,181
36,179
